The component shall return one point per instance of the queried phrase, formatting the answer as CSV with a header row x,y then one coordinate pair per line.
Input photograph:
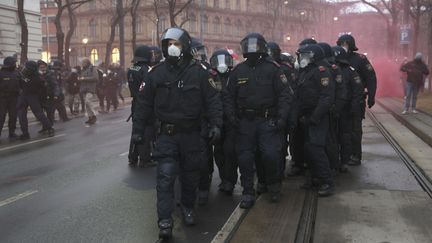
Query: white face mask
x,y
174,51
222,68
304,62
345,48
296,64
42,72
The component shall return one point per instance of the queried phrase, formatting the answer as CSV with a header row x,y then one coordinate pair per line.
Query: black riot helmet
x,y
274,51
340,54
178,34
30,69
9,63
348,39
310,54
327,49
286,57
142,54
307,41
156,56
198,50
221,61
253,43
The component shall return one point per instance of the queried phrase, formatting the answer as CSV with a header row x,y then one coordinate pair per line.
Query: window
x,y
247,5
162,24
217,25
239,28
92,28
139,27
227,29
238,6
216,3
115,55
192,23
227,4
205,24
94,56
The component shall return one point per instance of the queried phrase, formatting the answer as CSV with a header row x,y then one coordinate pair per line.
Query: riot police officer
x,y
258,103
222,62
9,90
30,92
315,96
347,105
137,77
367,75
274,52
179,91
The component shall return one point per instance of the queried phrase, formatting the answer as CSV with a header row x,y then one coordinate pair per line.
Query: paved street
x,y
77,187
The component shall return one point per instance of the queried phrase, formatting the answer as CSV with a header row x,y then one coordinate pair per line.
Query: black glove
x,y
137,138
371,102
214,135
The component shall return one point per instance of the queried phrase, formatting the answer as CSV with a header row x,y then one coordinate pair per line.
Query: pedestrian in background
x,y
416,72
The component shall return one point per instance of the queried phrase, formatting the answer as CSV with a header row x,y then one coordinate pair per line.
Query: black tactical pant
x,y
332,144
296,146
178,154
60,107
206,171
357,134
24,101
142,152
8,106
262,136
111,97
48,107
315,138
344,133
227,164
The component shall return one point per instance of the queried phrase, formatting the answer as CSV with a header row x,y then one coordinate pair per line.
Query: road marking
x,y
123,154
230,226
17,197
31,142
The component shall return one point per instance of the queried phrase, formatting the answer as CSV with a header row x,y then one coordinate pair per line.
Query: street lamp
x,y
84,41
288,38
335,18
286,2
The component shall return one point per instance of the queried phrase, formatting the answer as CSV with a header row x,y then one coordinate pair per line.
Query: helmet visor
x,y
221,59
172,33
253,45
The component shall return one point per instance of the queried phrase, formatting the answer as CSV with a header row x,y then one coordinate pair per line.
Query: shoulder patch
x,y
369,67
325,81
357,79
334,66
339,78
135,68
284,79
322,68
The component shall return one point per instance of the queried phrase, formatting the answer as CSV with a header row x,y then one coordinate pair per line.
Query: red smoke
x,y
388,78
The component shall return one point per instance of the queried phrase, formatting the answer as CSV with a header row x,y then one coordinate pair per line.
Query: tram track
x,y
417,172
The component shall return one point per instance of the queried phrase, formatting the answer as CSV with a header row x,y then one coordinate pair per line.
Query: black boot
x,y
165,228
325,190
24,136
188,215
354,161
261,188
247,201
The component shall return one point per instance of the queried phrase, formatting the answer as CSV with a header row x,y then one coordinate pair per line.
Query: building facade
x,y
219,23
10,29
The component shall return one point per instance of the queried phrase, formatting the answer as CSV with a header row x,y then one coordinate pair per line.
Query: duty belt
x,y
172,129
255,113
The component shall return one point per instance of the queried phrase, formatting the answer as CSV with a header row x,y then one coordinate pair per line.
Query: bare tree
x,y
116,16
24,32
61,6
72,26
393,7
417,9
133,12
174,10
